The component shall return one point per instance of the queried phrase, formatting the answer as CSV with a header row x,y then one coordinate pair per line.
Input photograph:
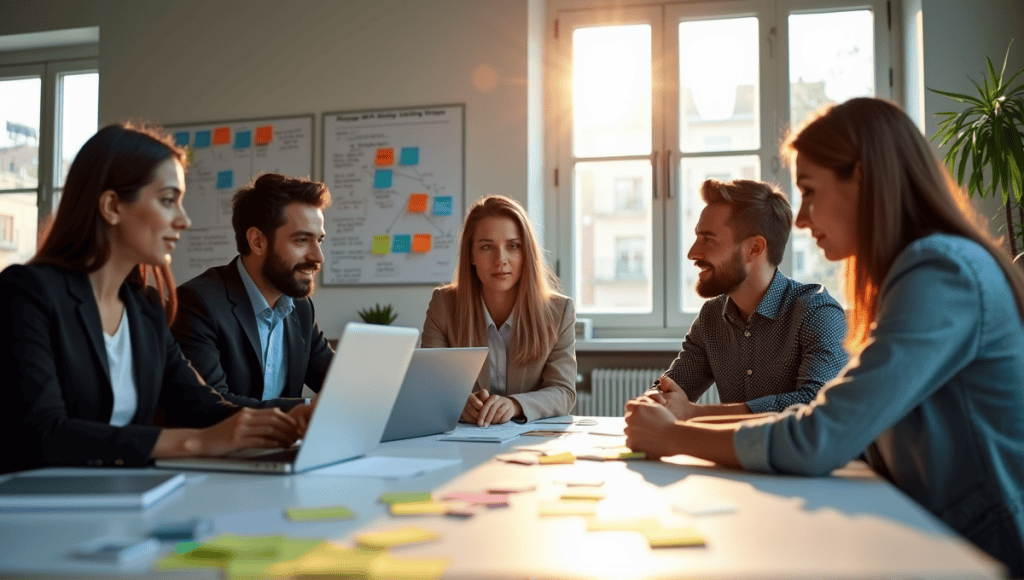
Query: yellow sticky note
x,y
676,537
381,245
583,495
328,560
298,514
567,508
632,455
388,568
565,457
426,508
405,497
621,524
417,202
385,156
421,243
396,537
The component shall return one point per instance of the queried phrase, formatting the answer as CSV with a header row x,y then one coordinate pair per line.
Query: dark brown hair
x,y
261,204
757,209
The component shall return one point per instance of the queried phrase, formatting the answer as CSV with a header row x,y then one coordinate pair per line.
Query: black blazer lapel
x,y
298,355
146,358
89,316
243,312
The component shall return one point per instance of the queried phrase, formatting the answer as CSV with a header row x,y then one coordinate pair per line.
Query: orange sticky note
x,y
264,135
385,156
421,243
417,202
222,135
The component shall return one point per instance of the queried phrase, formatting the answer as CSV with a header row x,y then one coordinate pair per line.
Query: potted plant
x,y
378,315
989,134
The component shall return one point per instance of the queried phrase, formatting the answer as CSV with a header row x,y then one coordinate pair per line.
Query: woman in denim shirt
x,y
934,394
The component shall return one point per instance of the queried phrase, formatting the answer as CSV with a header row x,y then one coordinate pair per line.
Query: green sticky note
x,y
405,497
381,245
297,514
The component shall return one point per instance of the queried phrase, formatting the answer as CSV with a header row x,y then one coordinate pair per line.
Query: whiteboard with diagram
x,y
396,178
224,157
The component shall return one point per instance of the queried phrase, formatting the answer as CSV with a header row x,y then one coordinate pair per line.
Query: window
x,y
657,98
48,109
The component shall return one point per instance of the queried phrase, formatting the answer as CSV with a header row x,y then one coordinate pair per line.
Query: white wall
x,y
194,60
957,36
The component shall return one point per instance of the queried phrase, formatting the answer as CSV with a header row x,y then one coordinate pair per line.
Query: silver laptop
x,y
352,409
436,386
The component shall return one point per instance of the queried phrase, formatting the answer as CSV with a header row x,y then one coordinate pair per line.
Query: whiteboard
x,y
397,183
223,158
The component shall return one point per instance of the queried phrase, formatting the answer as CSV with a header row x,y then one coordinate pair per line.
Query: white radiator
x,y
611,388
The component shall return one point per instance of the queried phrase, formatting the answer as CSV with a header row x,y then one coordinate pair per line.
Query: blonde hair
x,y
756,209
905,194
533,331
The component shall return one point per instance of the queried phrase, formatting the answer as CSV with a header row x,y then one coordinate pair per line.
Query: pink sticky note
x,y
479,498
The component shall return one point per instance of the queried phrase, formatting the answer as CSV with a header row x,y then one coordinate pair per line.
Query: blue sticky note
x,y
225,179
401,244
243,139
382,179
202,139
181,138
443,205
410,156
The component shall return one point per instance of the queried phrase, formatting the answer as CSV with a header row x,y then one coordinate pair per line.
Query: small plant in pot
x,y
989,134
378,315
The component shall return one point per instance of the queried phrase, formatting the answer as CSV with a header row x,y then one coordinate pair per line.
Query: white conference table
x,y
850,525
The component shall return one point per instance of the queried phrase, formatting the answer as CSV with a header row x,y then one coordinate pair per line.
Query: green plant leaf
x,y
960,98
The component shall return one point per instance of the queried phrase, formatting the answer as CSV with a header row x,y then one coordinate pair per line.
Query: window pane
x,y
719,92
611,91
18,225
613,236
19,133
831,59
693,172
79,104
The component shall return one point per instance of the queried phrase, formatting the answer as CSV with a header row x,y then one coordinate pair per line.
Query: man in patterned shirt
x,y
765,340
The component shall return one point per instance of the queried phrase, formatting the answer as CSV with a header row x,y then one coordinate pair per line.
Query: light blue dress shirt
x,y
497,352
270,325
935,401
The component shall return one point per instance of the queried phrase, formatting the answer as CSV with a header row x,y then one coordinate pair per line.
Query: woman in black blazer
x,y
102,267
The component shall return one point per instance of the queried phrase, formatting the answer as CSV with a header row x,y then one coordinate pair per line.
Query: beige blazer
x,y
545,388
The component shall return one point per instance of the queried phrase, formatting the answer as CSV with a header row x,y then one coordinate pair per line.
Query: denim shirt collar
x,y
285,304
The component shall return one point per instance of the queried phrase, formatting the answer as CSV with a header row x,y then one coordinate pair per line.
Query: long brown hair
x,y
534,329
123,158
905,193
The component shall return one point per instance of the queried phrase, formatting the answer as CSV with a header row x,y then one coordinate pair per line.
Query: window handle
x,y
668,174
654,174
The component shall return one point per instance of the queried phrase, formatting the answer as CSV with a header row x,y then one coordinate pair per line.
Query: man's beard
x,y
724,280
282,276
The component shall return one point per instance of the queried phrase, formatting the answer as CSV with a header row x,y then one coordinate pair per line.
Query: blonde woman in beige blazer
x,y
502,278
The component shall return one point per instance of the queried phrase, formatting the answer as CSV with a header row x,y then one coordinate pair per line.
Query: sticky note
x,y
443,205
511,487
419,508
264,134
396,537
676,537
557,458
388,568
202,139
222,135
401,243
477,498
410,156
421,243
225,179
183,547
405,497
581,482
567,508
327,560
583,494
632,455
381,245
382,179
417,202
298,514
243,139
385,156
181,138
629,524
523,457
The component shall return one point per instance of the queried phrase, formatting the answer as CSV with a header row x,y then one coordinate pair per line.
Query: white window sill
x,y
629,345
